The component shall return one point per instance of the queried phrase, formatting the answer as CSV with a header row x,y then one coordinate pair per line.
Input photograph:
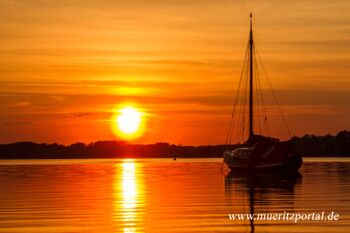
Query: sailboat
x,y
257,153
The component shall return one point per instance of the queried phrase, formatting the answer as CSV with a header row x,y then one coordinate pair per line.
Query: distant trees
x,y
104,149
328,145
308,145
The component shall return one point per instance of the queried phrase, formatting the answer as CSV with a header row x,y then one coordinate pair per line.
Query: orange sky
x,y
65,65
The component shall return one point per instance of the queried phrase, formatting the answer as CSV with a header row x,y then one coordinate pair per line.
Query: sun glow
x,y
128,122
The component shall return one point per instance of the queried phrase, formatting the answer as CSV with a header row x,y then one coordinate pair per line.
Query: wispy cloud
x,y
66,64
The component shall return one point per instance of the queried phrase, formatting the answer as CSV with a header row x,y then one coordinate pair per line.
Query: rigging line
x,y
239,114
229,135
245,101
238,104
241,95
257,92
266,126
245,105
274,96
262,100
239,109
235,113
240,126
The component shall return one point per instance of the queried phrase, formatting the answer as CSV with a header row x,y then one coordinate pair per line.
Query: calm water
x,y
161,195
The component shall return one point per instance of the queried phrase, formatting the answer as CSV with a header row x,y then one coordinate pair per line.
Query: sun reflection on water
x,y
129,195
129,186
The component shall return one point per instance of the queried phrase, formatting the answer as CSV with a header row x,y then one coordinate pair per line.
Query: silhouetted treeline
x,y
308,145
328,145
105,149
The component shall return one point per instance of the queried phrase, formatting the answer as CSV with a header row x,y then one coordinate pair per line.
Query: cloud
x,y
71,62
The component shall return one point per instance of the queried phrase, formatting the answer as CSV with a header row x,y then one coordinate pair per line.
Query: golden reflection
x,y
129,196
129,186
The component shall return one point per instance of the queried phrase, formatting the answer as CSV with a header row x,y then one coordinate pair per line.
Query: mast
x,y
251,133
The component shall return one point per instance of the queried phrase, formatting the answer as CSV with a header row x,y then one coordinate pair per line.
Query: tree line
x,y
308,145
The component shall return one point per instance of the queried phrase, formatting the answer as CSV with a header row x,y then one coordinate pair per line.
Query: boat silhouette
x,y
258,153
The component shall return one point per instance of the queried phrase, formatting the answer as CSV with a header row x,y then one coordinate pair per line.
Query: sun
x,y
128,122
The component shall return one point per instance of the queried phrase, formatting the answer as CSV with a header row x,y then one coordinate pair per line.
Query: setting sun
x,y
128,122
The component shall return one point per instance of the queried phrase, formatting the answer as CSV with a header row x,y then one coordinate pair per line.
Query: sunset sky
x,y
67,66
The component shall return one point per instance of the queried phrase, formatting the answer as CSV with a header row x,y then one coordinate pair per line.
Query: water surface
x,y
162,195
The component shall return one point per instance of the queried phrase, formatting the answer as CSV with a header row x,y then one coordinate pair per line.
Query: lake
x,y
162,195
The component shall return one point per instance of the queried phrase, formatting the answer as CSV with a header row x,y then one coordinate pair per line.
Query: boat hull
x,y
275,157
282,167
